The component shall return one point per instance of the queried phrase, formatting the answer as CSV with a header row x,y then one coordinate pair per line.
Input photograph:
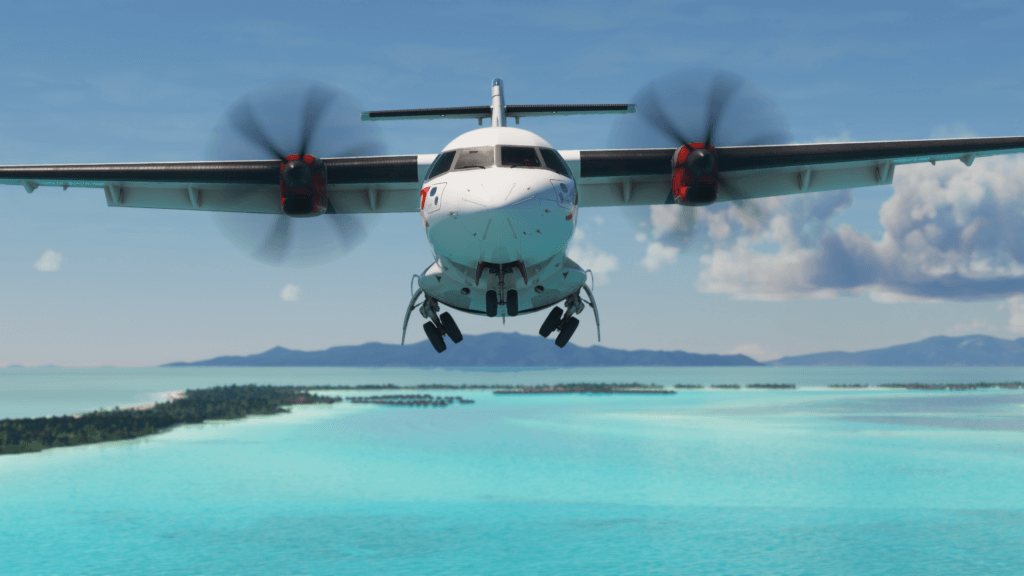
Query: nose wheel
x,y
437,327
565,322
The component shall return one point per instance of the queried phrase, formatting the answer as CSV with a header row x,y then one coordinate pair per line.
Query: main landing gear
x,y
565,321
437,327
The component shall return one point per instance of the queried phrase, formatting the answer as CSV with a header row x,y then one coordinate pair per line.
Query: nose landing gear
x,y
501,297
565,322
437,327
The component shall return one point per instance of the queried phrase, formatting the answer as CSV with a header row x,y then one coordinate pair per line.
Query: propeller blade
x,y
726,111
280,120
360,149
350,229
751,211
682,233
244,121
317,101
650,110
278,241
723,88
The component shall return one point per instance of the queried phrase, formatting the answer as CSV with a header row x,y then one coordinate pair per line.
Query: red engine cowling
x,y
303,186
695,175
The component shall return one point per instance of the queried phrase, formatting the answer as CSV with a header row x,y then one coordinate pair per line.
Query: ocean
x,y
809,481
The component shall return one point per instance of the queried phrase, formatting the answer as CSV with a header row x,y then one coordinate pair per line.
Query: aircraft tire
x,y
435,337
512,302
492,303
551,322
567,331
451,328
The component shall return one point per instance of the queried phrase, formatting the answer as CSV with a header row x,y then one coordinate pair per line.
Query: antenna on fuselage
x,y
497,103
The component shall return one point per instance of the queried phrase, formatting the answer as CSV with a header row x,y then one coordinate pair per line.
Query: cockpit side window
x,y
519,157
442,164
555,163
475,158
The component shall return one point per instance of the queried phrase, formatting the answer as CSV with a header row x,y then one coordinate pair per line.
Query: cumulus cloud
x,y
49,261
290,293
951,232
754,351
1016,306
658,255
592,258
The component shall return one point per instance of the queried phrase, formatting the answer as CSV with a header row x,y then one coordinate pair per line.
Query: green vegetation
x,y
410,400
584,388
220,403
772,386
958,387
961,387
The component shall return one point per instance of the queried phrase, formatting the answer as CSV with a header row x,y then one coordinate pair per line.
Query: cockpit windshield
x,y
504,156
520,157
469,158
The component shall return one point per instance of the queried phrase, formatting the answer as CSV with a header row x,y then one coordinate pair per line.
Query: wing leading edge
x,y
365,184
643,176
604,177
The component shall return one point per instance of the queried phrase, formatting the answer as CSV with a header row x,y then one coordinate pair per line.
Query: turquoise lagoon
x,y
807,481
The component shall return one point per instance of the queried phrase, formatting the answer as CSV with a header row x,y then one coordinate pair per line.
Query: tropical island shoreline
x,y
234,402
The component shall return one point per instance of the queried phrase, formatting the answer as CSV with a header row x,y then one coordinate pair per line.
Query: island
x,y
194,407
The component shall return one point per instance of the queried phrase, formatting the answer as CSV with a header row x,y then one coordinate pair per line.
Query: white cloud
x,y
976,326
658,255
49,261
951,232
290,293
592,258
599,219
1016,305
754,351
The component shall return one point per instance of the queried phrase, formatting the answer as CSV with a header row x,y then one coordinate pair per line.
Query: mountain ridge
x,y
973,350
495,349
499,349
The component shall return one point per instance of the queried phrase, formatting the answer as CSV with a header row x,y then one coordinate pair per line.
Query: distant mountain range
x,y
516,350
495,349
936,351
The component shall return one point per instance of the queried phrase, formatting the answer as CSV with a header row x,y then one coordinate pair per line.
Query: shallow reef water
x,y
710,481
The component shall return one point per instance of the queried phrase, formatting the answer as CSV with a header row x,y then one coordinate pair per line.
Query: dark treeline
x,y
220,403
415,387
921,386
410,400
584,388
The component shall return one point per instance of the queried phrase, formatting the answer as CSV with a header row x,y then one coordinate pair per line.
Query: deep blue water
x,y
811,481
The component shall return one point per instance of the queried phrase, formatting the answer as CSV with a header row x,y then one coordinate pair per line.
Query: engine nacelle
x,y
695,175
303,186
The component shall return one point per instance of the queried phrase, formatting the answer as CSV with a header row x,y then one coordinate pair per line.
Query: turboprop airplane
x,y
499,204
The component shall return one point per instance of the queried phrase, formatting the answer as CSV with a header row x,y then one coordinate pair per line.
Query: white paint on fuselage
x,y
500,215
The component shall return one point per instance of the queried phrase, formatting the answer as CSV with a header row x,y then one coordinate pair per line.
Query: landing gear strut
x,y
437,327
565,322
501,297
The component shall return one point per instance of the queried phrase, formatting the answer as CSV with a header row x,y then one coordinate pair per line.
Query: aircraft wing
x,y
643,176
364,184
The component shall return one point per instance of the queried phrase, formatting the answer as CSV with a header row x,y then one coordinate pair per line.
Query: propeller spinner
x,y
262,125
720,107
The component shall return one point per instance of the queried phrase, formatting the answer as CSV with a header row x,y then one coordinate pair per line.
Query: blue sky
x,y
134,81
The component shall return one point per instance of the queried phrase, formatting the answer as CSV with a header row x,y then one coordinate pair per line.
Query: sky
x,y
940,252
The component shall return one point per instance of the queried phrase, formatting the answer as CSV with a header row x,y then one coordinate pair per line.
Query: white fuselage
x,y
499,199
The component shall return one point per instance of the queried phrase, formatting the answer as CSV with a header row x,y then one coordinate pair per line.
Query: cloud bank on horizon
x,y
951,232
